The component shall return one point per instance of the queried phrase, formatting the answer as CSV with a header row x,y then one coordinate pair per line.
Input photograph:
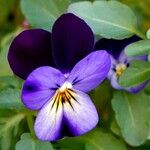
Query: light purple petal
x,y
90,71
112,68
48,122
123,58
40,86
143,58
138,88
82,116
114,82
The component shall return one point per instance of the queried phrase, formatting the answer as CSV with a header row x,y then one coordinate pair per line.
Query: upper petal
x,y
80,115
30,50
72,39
90,71
115,47
40,86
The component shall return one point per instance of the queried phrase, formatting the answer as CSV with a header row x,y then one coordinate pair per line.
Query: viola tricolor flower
x,y
120,61
59,68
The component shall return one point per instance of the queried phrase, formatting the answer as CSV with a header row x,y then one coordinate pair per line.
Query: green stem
x,y
30,122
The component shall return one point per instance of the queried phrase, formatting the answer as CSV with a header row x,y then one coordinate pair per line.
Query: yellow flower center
x,y
120,68
64,94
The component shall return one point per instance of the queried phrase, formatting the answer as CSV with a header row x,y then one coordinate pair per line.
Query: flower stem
x,y
30,123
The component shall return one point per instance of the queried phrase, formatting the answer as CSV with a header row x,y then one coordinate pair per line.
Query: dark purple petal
x,y
115,47
90,71
48,122
72,39
40,86
82,116
30,50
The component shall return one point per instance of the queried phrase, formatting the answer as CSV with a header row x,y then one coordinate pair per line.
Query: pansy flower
x,y
59,68
120,61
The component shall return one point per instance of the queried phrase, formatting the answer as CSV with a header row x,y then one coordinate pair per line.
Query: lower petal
x,y
81,116
48,122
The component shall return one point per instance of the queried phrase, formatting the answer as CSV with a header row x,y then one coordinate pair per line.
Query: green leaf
x,y
99,140
9,130
4,62
9,82
103,103
43,13
137,73
132,113
4,47
109,19
96,140
147,89
71,144
138,48
6,139
148,34
28,143
149,57
10,122
115,128
10,99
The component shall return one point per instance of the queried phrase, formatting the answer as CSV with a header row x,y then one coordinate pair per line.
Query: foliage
x,y
141,47
138,72
120,24
132,115
28,142
47,11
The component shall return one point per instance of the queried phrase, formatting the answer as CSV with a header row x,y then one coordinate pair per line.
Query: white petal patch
x,y
70,107
48,122
81,115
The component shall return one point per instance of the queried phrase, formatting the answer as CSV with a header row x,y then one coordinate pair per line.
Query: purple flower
x,y
120,61
59,91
